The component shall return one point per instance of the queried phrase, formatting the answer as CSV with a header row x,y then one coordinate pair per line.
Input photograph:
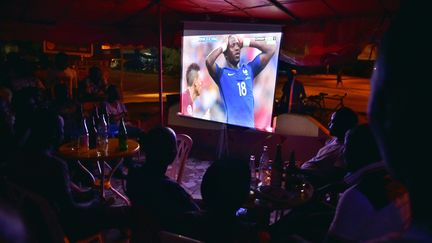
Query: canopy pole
x,y
161,106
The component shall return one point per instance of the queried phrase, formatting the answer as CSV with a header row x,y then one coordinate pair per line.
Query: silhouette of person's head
x,y
26,100
341,121
112,93
232,53
291,73
46,130
225,185
361,148
61,61
95,75
397,116
160,147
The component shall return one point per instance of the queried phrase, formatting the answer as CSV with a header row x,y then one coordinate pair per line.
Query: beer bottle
x,y
96,114
122,136
102,133
277,167
83,143
264,166
252,167
93,134
291,173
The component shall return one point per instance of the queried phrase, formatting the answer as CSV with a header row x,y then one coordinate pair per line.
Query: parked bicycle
x,y
321,106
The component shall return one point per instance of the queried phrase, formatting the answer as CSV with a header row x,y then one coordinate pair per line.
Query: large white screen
x,y
236,86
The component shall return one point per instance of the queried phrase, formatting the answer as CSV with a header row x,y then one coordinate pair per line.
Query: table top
x,y
70,151
278,198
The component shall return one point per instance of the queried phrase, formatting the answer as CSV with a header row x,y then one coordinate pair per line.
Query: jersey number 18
x,y
242,88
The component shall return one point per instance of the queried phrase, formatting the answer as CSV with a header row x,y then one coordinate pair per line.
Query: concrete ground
x,y
357,89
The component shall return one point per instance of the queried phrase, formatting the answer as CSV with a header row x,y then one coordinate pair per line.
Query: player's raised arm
x,y
267,48
211,59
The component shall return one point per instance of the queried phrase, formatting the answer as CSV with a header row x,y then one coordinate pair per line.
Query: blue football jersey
x,y
236,87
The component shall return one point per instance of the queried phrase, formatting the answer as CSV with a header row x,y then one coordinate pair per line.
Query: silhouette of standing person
x,y
293,92
397,116
339,78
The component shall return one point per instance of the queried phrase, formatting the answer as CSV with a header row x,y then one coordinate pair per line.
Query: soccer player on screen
x,y
193,90
235,81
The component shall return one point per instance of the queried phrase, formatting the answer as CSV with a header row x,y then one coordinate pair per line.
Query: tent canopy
x,y
316,32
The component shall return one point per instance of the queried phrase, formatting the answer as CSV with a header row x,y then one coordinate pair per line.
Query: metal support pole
x,y
161,106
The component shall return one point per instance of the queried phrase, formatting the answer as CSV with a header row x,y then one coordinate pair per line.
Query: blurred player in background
x,y
193,90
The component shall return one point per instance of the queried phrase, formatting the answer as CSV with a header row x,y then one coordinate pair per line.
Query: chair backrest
x,y
168,237
184,146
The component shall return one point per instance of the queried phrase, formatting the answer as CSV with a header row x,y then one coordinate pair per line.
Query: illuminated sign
x,y
84,50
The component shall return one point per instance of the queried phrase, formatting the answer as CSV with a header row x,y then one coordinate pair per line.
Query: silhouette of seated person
x,y
92,88
26,217
62,74
68,109
328,164
224,188
150,190
24,104
398,118
115,110
293,92
376,204
38,170
312,220
24,77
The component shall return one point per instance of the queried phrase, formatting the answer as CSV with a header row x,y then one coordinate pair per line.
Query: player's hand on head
x,y
225,43
240,41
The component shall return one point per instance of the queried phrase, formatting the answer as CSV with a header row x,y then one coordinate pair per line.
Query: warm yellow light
x,y
105,47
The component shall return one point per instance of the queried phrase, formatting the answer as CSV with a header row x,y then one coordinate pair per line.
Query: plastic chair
x,y
168,237
184,146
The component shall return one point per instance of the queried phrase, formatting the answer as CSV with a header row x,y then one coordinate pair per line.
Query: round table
x,y
270,199
100,156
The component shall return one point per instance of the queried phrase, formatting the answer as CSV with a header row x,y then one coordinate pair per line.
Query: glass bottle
x,y
96,114
104,111
93,134
277,167
264,166
83,143
291,173
122,136
102,134
252,167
